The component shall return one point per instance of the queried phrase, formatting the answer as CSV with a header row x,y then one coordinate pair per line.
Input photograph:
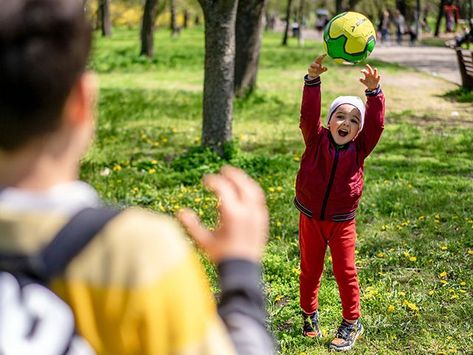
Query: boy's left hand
x,y
371,79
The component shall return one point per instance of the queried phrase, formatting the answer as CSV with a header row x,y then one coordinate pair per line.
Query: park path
x,y
437,61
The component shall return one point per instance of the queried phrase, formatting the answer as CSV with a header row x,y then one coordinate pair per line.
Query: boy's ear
x,y
80,104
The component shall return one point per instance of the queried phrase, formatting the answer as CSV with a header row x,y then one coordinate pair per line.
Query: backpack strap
x,y
67,243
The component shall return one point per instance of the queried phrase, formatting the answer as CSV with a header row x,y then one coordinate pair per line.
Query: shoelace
x,y
344,330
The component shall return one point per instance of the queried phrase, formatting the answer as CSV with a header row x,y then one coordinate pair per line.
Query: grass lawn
x,y
415,222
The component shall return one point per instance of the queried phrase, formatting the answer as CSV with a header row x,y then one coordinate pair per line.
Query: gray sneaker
x,y
346,336
311,327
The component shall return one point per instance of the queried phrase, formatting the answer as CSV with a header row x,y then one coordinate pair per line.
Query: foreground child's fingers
x,y
370,69
221,187
376,74
194,228
246,188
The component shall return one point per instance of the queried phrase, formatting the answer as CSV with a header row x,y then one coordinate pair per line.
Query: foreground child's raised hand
x,y
371,77
243,228
316,68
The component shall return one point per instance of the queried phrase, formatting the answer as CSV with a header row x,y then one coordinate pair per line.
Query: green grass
x,y
415,223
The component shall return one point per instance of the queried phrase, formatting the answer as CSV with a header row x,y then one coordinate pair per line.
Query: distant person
x,y
328,190
137,287
383,26
400,24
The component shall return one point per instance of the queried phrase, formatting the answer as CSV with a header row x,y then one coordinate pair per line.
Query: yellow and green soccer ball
x,y
349,37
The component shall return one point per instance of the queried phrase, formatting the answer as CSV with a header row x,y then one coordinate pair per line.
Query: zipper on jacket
x,y
329,185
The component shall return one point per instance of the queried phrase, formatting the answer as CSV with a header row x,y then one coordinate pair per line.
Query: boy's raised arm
x,y
310,109
374,116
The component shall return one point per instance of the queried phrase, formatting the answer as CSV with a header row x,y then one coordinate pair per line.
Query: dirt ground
x,y
423,96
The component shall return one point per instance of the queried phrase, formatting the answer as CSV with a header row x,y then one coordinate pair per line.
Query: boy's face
x,y
345,124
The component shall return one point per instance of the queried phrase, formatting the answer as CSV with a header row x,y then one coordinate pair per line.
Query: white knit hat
x,y
351,100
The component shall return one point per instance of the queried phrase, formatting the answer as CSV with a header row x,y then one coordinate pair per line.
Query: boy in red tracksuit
x,y
328,190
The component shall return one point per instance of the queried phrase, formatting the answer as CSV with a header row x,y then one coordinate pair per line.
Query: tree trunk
x,y
352,4
439,18
338,6
288,22
402,6
147,28
105,20
185,17
219,18
300,21
248,32
173,25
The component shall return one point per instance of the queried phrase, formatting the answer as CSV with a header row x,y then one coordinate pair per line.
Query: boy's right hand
x,y
316,68
244,220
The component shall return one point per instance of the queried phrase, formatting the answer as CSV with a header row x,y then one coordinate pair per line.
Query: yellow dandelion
x,y
444,282
391,308
462,291
197,199
454,297
411,306
380,254
413,258
421,218
278,298
296,271
154,162
462,283
470,251
278,224
152,171
271,189
117,167
296,158
443,247
431,292
279,188
406,254
402,294
443,274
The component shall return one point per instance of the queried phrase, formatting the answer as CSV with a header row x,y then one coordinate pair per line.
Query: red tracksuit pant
x,y
314,237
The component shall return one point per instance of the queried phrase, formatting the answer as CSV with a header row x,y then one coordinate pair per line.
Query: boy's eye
x,y
354,121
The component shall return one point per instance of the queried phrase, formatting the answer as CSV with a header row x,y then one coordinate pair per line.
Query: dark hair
x,y
44,47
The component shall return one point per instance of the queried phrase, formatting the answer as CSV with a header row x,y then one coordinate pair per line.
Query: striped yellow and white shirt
x,y
137,287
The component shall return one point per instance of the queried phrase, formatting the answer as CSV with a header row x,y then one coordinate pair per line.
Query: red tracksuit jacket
x,y
330,180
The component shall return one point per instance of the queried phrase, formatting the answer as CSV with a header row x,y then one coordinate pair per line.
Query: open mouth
x,y
342,133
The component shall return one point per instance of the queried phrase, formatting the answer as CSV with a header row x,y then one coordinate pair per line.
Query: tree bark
x,y
147,28
105,20
248,32
185,19
219,17
439,18
173,25
288,22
